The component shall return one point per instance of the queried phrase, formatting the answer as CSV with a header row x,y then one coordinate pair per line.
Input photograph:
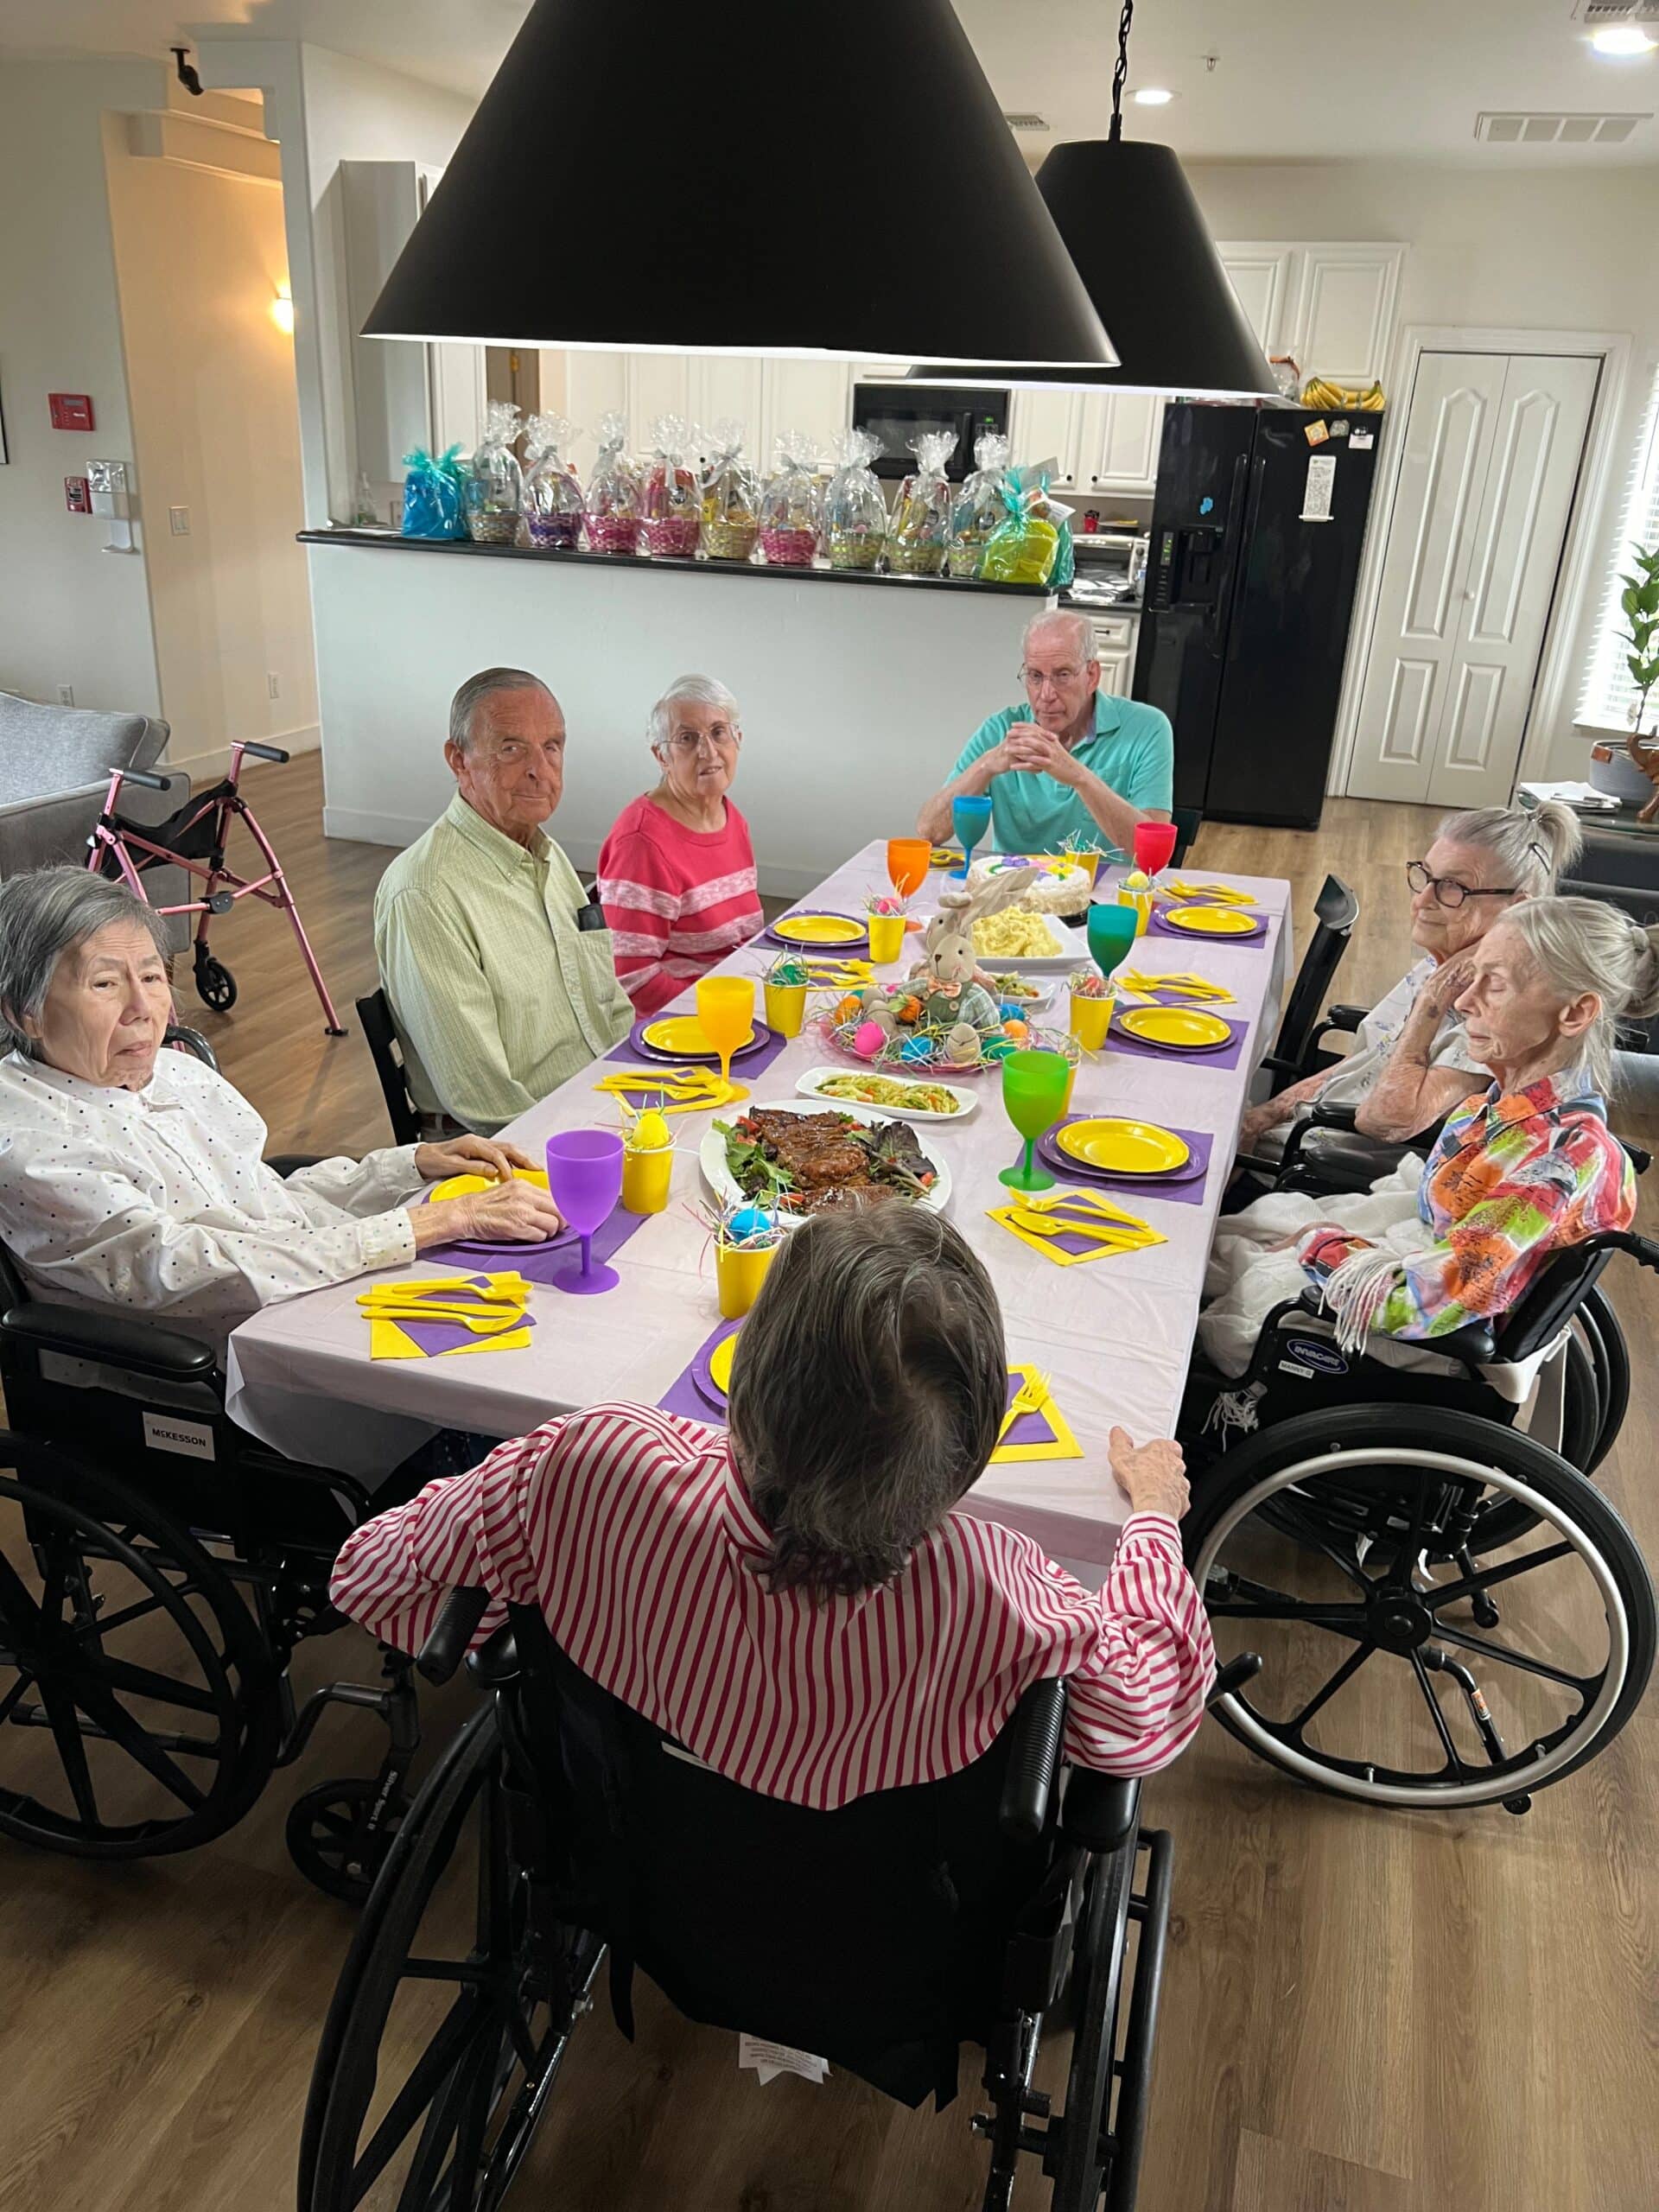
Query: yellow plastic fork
x,y
1030,1397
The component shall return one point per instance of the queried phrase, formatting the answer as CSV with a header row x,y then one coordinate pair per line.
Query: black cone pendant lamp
x,y
812,177
1135,231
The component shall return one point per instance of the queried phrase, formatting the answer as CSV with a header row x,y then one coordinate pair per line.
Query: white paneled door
x,y
1494,443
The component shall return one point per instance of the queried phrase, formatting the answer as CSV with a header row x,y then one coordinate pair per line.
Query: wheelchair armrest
x,y
1473,1343
1100,1810
452,1632
1343,1017
289,1163
495,1663
107,1338
1034,1762
1317,1117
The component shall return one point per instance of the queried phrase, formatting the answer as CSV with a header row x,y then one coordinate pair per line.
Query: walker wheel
x,y
215,985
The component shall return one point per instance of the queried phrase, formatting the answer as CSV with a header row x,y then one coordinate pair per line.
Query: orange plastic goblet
x,y
725,1009
907,864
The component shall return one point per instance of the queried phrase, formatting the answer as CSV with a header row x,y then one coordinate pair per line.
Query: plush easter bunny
x,y
953,990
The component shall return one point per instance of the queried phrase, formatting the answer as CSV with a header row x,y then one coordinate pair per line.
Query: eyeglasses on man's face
x,y
1448,891
1056,679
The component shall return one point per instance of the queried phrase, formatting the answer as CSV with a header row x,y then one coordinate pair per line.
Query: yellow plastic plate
x,y
1124,1147
1178,1026
684,1032
1210,921
720,1364
462,1187
819,929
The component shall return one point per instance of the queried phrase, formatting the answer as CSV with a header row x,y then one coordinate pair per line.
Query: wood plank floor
x,y
1363,2012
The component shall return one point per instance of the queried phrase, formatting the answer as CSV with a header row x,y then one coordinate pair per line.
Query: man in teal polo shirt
x,y
1074,772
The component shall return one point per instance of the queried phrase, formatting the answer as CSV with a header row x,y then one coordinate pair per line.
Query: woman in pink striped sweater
x,y
676,873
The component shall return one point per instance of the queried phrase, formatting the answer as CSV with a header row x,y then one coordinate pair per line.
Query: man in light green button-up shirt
x,y
498,995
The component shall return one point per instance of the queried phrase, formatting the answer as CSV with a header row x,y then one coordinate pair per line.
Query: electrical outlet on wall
x,y
66,695
273,684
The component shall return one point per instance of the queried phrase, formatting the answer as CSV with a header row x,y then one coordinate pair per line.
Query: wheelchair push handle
x,y
1642,1250
143,776
1233,1677
264,752
1034,1762
445,1649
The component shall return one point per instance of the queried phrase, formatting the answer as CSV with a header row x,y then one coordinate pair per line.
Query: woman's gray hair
x,y
868,1392
43,915
692,691
1580,945
1529,846
476,690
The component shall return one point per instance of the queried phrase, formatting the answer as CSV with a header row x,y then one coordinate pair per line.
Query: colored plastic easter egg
x,y
998,1048
749,1223
849,1006
1015,1028
868,1039
649,1132
918,1051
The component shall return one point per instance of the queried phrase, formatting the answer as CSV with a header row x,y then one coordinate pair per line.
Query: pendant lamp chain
x,y
1120,74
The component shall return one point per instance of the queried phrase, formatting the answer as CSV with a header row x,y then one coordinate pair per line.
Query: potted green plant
x,y
1632,774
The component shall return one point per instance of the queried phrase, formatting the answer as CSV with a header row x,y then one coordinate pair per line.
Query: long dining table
x,y
1113,1336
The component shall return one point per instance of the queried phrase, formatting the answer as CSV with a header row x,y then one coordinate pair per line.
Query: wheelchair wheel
x,y
215,985
1339,1542
452,2010
1611,1358
138,1702
1096,1982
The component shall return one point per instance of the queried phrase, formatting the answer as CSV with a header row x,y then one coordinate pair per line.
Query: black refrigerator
x,y
1250,594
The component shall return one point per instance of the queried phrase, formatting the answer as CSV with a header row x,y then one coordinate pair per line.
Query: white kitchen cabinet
x,y
658,385
401,394
729,387
815,397
1122,432
1343,317
1113,646
595,384
1329,304
1116,671
1044,423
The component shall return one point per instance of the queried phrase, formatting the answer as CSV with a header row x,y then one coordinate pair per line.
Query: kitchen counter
x,y
854,705
623,563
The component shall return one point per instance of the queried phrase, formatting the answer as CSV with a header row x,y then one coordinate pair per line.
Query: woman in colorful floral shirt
x,y
1519,1173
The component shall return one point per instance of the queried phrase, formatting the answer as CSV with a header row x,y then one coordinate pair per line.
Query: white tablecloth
x,y
1113,1336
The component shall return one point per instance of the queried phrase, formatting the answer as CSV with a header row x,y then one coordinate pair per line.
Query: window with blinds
x,y
1609,701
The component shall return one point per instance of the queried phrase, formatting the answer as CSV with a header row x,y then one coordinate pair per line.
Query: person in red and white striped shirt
x,y
676,873
798,1604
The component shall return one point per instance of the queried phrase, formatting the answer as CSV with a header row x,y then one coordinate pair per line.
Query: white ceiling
x,y
1293,80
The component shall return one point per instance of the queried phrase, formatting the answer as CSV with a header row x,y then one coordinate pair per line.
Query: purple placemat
x,y
436,1338
745,1068
1197,937
1220,1056
682,1395
546,1263
1189,1193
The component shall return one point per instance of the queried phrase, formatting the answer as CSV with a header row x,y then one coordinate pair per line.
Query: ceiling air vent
x,y
1600,13
1513,128
1029,122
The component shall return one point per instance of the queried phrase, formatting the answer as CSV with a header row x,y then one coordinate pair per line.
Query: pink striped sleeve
x,y
641,899
1136,1699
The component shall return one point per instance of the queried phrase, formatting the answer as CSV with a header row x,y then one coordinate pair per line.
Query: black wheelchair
x,y
148,1616
560,1827
1448,1612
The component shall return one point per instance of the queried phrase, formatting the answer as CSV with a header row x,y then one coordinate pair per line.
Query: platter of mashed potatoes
x,y
1024,944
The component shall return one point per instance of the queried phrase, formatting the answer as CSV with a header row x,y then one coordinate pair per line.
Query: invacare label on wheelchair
x,y
167,1432
1307,1358
769,2060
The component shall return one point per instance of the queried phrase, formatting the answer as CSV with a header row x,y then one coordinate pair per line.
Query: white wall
x,y
198,260
1566,251
70,612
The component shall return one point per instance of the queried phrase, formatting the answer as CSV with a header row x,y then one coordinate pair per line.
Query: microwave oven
x,y
900,411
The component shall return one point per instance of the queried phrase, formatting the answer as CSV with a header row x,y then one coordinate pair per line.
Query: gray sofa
x,y
54,770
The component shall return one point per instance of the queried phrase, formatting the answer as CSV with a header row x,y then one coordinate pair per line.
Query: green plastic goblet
x,y
1033,1098
1111,932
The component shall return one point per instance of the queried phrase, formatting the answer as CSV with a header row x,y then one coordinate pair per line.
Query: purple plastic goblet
x,y
584,1179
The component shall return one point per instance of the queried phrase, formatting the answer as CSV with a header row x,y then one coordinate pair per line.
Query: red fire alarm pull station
x,y
71,410
76,495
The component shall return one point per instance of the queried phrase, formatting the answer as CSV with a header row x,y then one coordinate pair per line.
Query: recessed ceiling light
x,y
1152,96
1622,40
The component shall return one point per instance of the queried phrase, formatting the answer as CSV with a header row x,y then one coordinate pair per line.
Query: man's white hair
x,y
691,691
1078,629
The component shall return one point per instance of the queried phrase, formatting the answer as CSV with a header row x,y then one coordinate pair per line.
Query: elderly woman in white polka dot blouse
x,y
133,1176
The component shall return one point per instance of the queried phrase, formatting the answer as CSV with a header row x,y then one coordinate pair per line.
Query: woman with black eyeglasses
x,y
1410,1064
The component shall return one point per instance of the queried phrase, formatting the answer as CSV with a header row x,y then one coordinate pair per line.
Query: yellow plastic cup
x,y
1090,1020
739,1274
1141,902
1070,1085
786,1007
645,1177
1088,862
886,938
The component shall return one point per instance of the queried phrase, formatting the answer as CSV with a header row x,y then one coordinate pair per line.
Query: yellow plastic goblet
x,y
725,1009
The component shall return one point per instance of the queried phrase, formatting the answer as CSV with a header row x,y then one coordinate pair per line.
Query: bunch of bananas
x,y
1339,399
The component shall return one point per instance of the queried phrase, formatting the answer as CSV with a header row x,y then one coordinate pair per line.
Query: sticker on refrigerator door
x,y
1315,433
1362,441
1316,493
